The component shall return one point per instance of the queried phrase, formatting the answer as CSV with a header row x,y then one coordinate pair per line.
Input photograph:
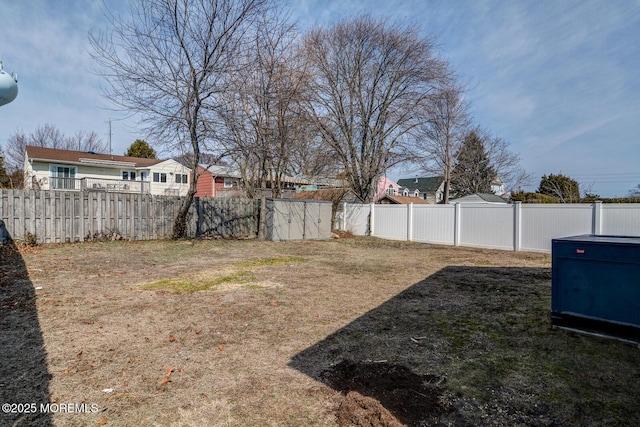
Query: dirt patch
x,y
357,410
383,394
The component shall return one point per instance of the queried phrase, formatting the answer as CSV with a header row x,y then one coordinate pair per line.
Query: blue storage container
x,y
596,284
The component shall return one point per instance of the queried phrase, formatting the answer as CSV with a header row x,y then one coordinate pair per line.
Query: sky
x,y
558,80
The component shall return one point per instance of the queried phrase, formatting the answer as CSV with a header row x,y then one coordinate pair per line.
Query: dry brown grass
x,y
258,352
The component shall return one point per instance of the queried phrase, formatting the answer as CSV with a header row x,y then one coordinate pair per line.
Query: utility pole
x,y
109,121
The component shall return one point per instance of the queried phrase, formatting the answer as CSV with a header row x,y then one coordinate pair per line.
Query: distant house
x,y
340,195
218,181
337,197
481,198
54,169
430,189
385,186
226,181
401,200
497,186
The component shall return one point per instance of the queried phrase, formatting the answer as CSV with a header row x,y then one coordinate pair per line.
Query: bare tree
x,y
49,136
442,133
634,192
505,162
313,158
170,63
372,86
264,117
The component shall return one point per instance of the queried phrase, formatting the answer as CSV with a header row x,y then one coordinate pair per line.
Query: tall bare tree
x,y
443,132
372,86
49,136
313,158
170,62
264,117
505,162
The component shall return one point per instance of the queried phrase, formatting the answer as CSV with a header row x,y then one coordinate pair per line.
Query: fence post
x,y
410,222
596,227
517,225
456,224
371,219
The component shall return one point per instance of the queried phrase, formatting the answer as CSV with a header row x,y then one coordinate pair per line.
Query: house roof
x,y
330,194
223,171
231,172
404,200
480,198
84,157
424,185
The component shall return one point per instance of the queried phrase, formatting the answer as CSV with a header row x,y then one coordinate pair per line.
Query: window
x,y
62,177
128,175
405,192
229,182
390,190
182,179
416,193
159,177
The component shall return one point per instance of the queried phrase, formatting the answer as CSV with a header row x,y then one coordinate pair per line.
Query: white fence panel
x,y
434,224
355,219
391,222
541,223
620,220
487,226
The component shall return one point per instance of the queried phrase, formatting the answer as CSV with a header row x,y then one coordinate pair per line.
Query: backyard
x,y
353,331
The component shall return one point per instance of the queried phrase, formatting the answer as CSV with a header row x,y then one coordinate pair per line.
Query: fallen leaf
x,y
102,420
199,329
273,303
221,347
169,370
172,338
164,381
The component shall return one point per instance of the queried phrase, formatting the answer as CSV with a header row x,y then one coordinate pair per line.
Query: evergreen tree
x,y
472,172
140,148
566,189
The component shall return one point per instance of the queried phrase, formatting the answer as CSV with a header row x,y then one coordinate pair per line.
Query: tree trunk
x,y
180,229
263,211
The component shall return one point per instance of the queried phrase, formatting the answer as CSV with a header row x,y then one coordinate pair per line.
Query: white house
x,y
54,169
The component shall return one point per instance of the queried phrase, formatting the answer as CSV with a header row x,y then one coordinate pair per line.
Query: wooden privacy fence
x,y
225,217
72,216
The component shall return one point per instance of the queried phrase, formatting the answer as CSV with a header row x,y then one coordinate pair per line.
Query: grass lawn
x,y
355,331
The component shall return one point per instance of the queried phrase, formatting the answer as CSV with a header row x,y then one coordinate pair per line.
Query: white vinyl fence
x,y
518,227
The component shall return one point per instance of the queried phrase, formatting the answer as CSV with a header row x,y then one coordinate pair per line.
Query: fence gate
x,y
298,220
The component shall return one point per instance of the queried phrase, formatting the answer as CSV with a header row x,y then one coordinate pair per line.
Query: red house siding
x,y
204,187
208,185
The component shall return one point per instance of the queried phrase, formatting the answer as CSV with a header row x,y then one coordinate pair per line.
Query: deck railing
x,y
98,184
